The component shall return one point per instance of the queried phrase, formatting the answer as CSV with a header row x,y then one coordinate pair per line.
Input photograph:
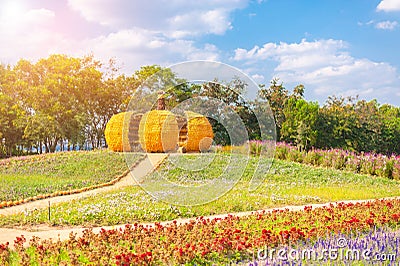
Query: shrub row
x,y
360,163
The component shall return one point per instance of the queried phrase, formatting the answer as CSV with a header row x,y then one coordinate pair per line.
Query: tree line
x,y
61,100
65,100
345,123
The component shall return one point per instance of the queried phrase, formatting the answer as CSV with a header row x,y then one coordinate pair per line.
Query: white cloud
x,y
160,31
176,18
32,38
297,55
389,5
137,47
386,25
326,67
258,78
28,35
39,16
33,34
26,20
381,25
365,23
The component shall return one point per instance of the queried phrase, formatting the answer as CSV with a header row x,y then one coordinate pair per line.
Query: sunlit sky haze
x,y
336,47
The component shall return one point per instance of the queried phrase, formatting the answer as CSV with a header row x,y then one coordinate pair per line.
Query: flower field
x,y
379,245
288,183
220,240
292,180
34,177
361,163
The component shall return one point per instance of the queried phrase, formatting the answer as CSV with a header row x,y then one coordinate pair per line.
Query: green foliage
x,y
11,128
231,94
300,124
345,123
277,95
358,125
65,99
62,99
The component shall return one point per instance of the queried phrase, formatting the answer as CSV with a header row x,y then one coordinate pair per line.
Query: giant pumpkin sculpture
x,y
158,131
196,133
121,132
114,132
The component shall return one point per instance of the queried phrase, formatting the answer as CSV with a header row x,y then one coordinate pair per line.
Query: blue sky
x,y
341,47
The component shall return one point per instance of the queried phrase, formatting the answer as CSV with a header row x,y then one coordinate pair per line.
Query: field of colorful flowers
x,y
371,226
360,163
288,183
378,246
27,178
229,240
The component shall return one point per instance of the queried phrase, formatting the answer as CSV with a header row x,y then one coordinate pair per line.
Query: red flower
x,y
308,208
266,232
395,216
370,222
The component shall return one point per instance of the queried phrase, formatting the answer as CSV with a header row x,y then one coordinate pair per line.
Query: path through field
x,y
62,233
146,166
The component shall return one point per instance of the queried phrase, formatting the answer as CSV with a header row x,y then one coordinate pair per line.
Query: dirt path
x,y
139,172
62,233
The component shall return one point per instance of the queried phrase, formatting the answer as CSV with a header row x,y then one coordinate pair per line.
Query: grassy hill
x,y
22,177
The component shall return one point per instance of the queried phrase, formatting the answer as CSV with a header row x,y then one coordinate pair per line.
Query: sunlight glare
x,y
11,10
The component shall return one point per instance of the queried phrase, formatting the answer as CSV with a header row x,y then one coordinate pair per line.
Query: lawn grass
x,y
287,183
23,177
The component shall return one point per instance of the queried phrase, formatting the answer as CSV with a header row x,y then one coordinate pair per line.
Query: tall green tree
x,y
390,131
11,131
337,123
276,95
230,95
368,127
300,124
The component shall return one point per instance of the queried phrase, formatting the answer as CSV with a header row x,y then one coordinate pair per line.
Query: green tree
x,y
11,130
276,95
230,94
337,123
390,131
367,134
50,91
300,124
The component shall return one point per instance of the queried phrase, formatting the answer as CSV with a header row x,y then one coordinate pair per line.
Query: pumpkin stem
x,y
161,100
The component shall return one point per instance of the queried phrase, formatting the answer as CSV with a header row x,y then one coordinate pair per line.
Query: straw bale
x,y
199,132
158,131
114,132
